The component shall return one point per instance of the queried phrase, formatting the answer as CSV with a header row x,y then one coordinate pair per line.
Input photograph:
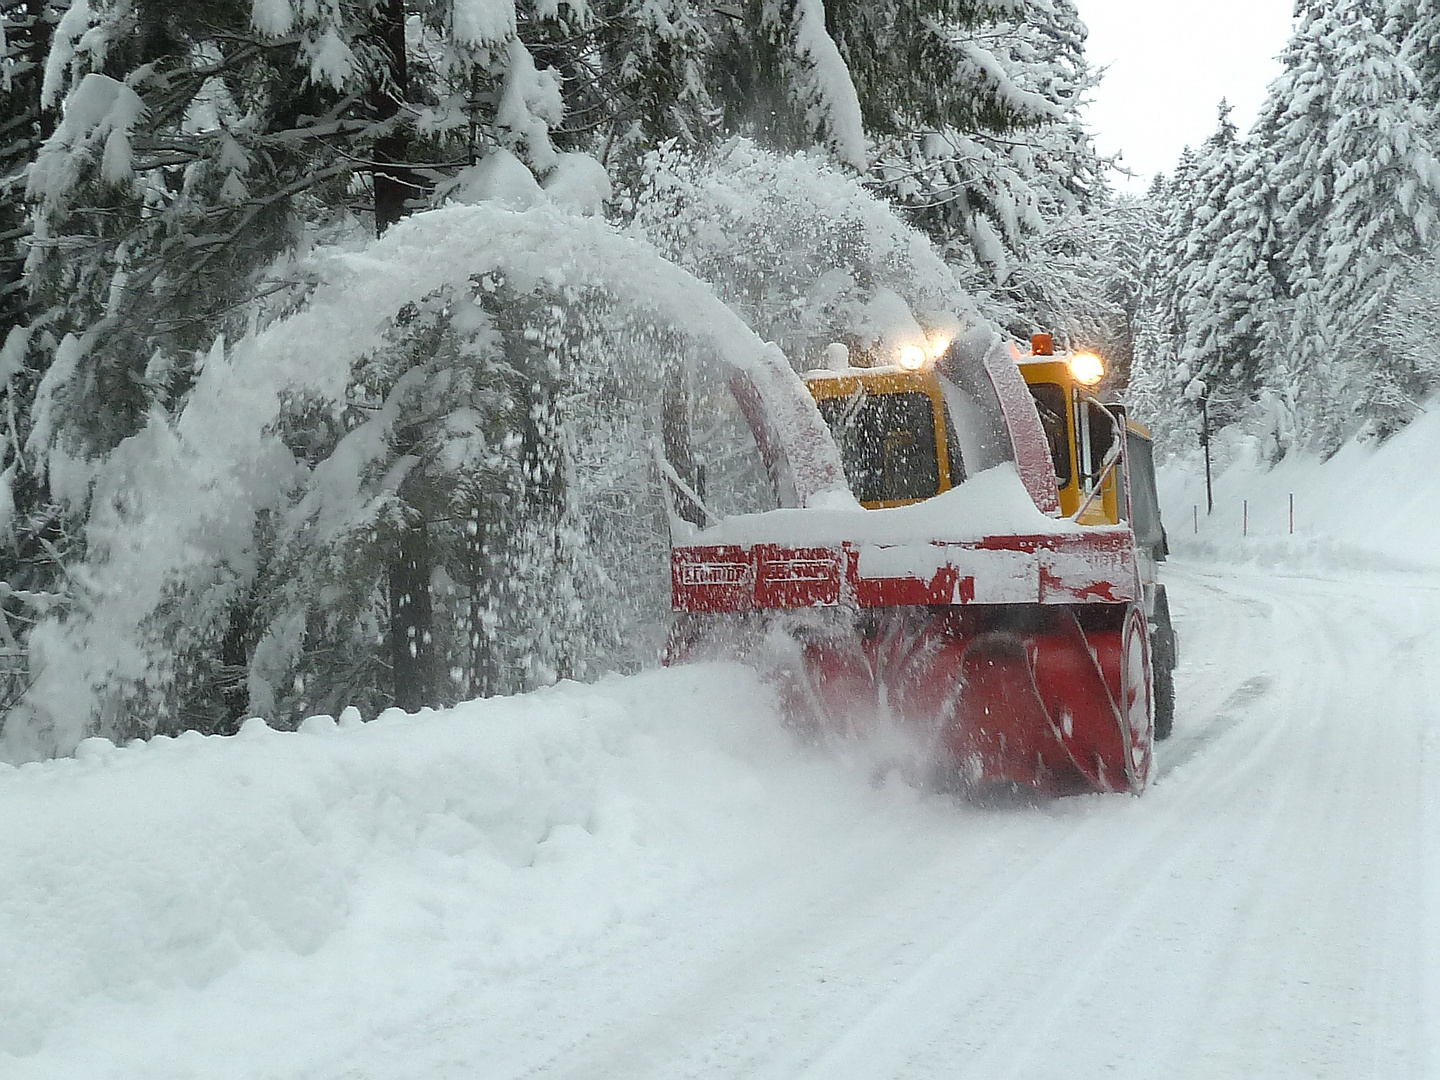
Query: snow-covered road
x,y
1261,912
1267,909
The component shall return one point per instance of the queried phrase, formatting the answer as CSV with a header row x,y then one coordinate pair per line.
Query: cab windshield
x,y
887,444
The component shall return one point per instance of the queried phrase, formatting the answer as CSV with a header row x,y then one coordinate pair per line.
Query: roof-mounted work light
x,y
1087,368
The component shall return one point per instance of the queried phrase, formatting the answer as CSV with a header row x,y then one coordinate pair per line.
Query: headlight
x,y
912,358
1087,368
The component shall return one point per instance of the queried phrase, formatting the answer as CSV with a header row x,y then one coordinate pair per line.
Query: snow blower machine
x,y
987,582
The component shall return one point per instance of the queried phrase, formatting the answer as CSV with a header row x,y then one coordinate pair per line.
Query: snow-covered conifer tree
x,y
1414,25
420,532
1246,299
1408,365
197,144
1176,200
1207,316
25,30
33,539
1007,151
1081,279
1357,176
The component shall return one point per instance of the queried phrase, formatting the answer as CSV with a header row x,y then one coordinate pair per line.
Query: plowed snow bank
x,y
489,836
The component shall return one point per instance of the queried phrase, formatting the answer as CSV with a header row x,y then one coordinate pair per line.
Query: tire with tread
x,y
1163,657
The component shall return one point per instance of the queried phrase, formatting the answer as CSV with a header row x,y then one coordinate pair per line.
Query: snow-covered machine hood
x,y
992,503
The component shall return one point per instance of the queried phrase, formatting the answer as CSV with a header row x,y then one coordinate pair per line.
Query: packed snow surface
x,y
649,877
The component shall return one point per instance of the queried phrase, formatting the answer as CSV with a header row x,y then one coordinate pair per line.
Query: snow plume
x,y
187,513
822,82
806,255
578,182
500,376
888,321
499,178
797,247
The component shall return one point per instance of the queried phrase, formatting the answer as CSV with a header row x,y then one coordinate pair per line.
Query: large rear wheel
x,y
1137,703
1163,656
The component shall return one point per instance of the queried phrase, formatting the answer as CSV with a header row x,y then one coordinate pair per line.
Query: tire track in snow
x,y
1099,910
918,1009
1233,767
1057,854
1329,910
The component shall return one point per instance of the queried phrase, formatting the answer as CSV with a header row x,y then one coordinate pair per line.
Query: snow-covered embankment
x,y
1370,507
350,870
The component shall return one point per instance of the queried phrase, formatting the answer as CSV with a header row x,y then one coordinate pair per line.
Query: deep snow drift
x,y
327,881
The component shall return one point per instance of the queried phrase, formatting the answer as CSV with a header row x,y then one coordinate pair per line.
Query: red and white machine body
x,y
1008,639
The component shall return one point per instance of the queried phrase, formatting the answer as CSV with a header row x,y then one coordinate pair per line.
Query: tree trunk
x,y
24,126
235,665
482,679
412,621
392,181
412,646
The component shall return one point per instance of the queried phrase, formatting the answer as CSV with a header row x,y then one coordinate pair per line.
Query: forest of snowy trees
x,y
336,333
1291,270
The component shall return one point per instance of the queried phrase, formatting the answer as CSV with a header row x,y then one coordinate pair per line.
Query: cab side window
x,y
1050,402
1102,438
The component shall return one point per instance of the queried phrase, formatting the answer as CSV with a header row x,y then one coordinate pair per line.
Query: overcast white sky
x,y
1170,62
